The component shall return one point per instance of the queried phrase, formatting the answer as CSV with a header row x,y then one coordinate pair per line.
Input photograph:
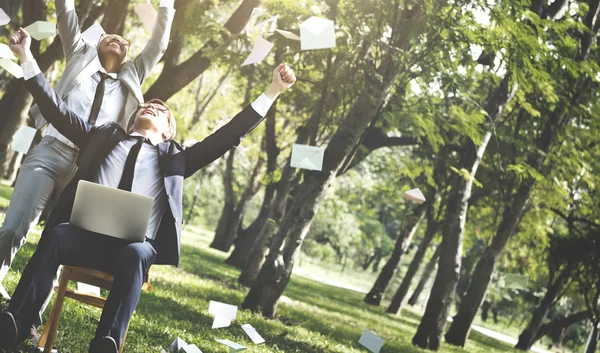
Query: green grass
x,y
320,319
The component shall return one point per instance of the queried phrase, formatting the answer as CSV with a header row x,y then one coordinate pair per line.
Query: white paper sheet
x,y
92,35
3,292
288,34
41,29
191,348
307,157
221,309
88,289
233,347
251,332
23,138
317,33
261,49
414,195
177,345
4,18
221,322
371,341
147,15
5,52
11,67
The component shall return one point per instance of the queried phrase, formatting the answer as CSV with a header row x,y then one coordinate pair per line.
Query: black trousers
x,y
71,246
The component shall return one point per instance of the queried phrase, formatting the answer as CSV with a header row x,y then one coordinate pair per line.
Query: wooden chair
x,y
84,275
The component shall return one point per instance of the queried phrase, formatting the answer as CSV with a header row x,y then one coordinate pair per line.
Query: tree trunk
x,y
115,22
592,342
530,334
482,275
398,298
172,80
247,237
228,206
427,272
388,273
431,328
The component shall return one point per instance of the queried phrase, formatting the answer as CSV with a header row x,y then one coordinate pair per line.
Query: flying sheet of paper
x,y
41,29
261,49
147,15
4,18
221,309
516,281
192,348
251,332
177,344
307,157
5,52
414,195
221,322
88,289
371,341
272,20
288,34
11,67
233,347
92,35
317,33
23,138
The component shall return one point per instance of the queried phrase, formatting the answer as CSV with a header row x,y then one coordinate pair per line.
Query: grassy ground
x,y
321,318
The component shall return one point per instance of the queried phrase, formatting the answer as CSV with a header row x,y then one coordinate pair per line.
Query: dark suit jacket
x,y
175,161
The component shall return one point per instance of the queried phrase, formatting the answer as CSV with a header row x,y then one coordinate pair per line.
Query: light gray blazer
x,y
79,55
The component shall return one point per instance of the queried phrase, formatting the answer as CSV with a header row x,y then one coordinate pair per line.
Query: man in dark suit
x,y
109,155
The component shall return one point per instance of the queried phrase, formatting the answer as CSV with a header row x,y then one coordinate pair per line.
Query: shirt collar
x,y
154,142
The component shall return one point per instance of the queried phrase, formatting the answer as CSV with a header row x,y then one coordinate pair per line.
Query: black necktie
x,y
98,97
127,176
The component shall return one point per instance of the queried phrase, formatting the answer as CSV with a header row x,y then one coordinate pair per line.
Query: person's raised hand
x,y
20,43
283,78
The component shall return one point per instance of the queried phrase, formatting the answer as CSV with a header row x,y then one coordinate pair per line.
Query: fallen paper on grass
x,y
251,332
11,67
288,34
515,281
414,195
233,347
261,49
191,348
147,15
317,33
221,322
307,157
285,300
92,35
177,345
4,18
22,139
5,52
41,29
88,289
371,341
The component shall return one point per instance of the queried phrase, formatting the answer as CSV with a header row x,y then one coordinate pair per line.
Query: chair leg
x,y
52,323
125,337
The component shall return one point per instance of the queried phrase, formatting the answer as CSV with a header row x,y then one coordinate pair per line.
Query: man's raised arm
x,y
156,47
51,105
68,27
230,135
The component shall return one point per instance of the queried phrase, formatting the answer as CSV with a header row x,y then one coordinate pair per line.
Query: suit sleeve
x,y
218,143
156,47
68,27
56,111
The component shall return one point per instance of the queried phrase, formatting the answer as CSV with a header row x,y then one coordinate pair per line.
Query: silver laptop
x,y
113,212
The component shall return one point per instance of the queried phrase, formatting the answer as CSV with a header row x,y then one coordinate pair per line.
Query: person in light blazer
x,y
92,77
143,160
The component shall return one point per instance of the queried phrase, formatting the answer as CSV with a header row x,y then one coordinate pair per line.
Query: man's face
x,y
113,45
153,116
